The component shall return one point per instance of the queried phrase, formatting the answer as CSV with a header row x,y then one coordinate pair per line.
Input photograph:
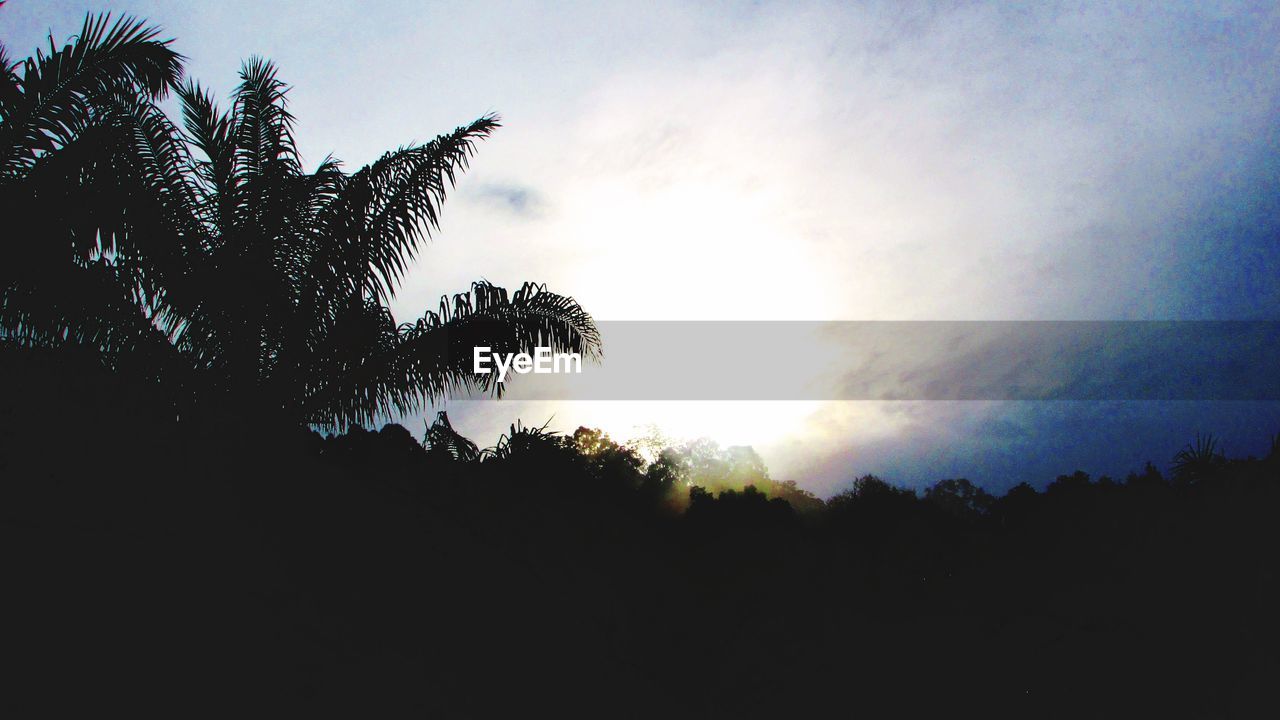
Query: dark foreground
x,y
231,568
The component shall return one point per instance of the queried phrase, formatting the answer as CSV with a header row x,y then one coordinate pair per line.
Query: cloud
x,y
521,201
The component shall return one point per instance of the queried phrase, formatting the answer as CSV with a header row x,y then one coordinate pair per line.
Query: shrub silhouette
x,y
1197,461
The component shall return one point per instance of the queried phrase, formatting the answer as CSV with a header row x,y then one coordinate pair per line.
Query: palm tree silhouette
x,y
229,268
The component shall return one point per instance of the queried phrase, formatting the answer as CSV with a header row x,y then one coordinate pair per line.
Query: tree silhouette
x,y
219,261
959,497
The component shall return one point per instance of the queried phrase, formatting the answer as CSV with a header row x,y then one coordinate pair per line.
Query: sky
x,y
813,161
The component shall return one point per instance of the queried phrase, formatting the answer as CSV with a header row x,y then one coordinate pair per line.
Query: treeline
x,y
706,479
220,561
1106,598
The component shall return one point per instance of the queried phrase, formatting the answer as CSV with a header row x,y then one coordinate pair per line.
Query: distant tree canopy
x,y
669,478
698,474
959,497
206,257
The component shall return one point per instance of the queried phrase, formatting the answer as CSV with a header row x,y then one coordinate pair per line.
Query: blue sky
x,y
805,161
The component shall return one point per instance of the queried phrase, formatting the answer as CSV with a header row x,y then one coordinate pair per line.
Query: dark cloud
x,y
999,445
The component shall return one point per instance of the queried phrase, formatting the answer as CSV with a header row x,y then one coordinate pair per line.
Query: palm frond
x,y
165,235
162,166
390,370
521,439
119,192
9,92
87,306
388,208
209,130
56,93
263,127
443,440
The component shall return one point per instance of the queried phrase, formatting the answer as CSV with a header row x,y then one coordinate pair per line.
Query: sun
x,y
690,249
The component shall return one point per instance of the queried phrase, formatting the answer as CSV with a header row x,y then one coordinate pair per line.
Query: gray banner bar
x,y
980,360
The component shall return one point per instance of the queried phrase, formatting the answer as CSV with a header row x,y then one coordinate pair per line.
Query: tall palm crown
x,y
212,255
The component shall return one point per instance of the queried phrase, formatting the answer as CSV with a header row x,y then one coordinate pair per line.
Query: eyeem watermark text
x,y
542,361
